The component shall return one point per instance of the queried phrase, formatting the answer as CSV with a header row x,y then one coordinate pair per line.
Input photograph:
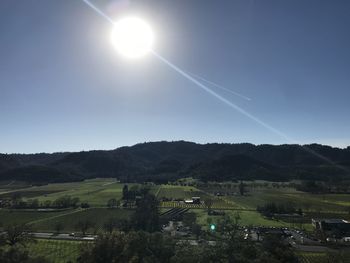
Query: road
x,y
64,236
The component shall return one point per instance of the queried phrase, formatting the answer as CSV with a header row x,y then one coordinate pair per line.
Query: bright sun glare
x,y
132,37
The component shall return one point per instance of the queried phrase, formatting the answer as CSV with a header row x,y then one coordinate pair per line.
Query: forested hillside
x,y
163,161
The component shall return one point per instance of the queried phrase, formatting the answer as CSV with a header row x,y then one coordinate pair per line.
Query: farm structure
x,y
333,227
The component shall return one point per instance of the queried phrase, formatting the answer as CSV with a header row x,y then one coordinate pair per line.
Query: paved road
x,y
64,236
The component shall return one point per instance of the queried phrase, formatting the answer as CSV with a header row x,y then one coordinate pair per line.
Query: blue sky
x,y
63,87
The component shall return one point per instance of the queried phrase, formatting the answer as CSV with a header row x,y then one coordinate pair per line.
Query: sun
x,y
132,37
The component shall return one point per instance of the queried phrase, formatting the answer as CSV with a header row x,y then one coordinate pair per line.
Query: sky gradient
x,y
63,87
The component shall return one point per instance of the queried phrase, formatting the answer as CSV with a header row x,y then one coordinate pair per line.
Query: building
x,y
194,200
332,227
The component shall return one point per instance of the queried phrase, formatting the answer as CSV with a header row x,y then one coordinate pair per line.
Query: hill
x,y
163,161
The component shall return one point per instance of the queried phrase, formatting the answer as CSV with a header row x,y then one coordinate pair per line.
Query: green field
x,y
187,192
98,216
46,221
56,251
21,217
98,191
330,203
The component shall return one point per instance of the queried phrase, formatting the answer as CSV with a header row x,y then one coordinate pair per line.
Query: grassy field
x,y
98,216
56,251
331,203
95,192
98,191
21,217
46,221
187,192
246,218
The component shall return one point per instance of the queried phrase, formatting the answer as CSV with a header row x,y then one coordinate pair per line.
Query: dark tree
x,y
16,254
17,234
241,188
128,247
84,226
196,230
277,250
208,203
110,225
112,203
85,205
16,199
125,192
189,219
58,227
146,216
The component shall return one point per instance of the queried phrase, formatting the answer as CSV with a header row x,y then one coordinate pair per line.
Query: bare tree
x,y
17,234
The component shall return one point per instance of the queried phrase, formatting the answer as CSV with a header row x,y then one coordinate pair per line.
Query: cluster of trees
x,y
269,209
145,218
229,246
134,192
112,203
16,201
13,241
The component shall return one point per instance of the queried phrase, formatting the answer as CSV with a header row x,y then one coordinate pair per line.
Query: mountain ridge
x,y
162,161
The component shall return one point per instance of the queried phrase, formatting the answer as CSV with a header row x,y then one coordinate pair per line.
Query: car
x,y
72,234
329,239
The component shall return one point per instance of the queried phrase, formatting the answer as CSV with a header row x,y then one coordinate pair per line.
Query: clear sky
x,y
63,87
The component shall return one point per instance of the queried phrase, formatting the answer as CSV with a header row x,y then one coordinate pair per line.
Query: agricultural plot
x,y
306,201
24,217
95,192
175,194
246,218
56,251
97,216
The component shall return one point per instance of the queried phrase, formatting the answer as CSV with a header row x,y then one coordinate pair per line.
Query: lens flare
x,y
141,41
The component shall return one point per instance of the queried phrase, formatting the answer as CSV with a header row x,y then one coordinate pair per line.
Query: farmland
x,y
223,199
98,191
98,216
95,192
